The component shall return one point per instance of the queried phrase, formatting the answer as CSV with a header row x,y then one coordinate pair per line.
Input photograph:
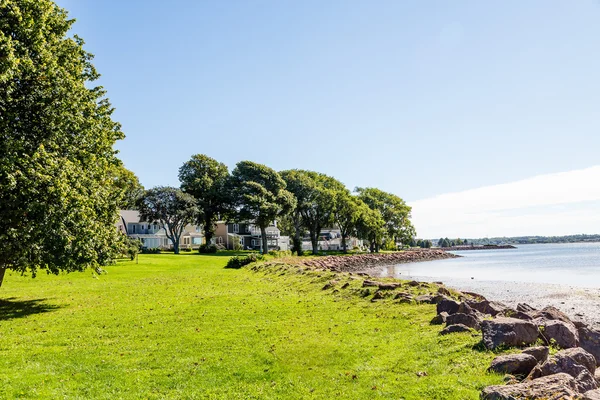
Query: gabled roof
x,y
130,216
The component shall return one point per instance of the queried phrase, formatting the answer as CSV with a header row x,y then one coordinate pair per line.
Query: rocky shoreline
x,y
573,372
361,262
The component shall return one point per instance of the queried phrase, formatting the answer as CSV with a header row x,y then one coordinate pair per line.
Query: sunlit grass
x,y
184,327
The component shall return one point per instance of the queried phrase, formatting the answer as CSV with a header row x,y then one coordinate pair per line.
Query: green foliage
x,y
154,250
171,208
259,195
205,179
129,188
394,212
207,248
176,327
58,200
238,262
347,214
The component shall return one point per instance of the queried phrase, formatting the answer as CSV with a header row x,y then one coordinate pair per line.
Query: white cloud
x,y
553,204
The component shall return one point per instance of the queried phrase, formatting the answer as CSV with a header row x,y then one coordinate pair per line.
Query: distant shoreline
x,y
480,247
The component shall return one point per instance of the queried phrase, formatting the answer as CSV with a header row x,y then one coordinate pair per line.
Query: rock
x,y
413,283
444,292
509,312
464,308
597,375
403,296
329,285
464,319
377,296
565,334
526,308
440,318
454,329
589,340
424,298
575,362
554,387
487,307
519,364
345,285
539,352
388,286
367,282
551,313
592,395
448,305
508,332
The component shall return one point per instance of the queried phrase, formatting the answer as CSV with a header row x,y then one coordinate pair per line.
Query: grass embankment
x,y
183,327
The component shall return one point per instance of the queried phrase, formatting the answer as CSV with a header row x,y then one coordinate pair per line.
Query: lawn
x,y
184,327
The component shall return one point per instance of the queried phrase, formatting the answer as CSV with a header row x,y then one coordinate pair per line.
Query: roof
x,y
130,215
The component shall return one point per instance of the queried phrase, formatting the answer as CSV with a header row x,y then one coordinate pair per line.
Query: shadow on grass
x,y
12,308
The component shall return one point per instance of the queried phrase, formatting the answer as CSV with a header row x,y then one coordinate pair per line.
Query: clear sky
x,y
419,98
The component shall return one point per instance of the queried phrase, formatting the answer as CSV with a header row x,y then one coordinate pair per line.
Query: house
x,y
246,236
153,235
331,239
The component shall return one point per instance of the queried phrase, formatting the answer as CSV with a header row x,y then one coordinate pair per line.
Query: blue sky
x,y
419,98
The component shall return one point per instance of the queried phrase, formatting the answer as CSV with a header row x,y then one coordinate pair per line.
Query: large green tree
x,y
394,211
129,189
347,214
170,207
303,188
205,178
315,193
259,195
57,208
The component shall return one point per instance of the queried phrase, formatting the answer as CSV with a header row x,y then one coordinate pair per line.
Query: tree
x,y
371,227
128,186
302,187
259,196
57,208
347,214
394,211
205,179
170,207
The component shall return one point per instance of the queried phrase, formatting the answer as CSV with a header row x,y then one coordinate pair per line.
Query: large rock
x,y
454,329
550,313
554,387
465,319
464,308
508,332
576,362
597,375
524,307
425,298
539,352
589,340
448,305
440,318
564,333
487,307
592,395
516,364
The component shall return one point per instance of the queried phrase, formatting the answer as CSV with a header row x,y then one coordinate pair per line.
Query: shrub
x,y
207,248
238,262
146,250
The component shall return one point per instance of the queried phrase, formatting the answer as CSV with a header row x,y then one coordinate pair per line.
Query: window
x,y
132,228
220,240
236,228
242,241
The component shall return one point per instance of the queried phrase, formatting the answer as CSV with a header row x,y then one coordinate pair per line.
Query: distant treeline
x,y
537,239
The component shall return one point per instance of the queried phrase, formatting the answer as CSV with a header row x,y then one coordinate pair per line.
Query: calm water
x,y
575,264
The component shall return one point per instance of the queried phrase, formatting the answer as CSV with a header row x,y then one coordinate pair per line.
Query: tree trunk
x,y
297,239
2,272
265,243
209,228
314,240
176,245
372,246
344,247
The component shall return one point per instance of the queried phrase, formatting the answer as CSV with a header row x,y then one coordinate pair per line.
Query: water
x,y
572,264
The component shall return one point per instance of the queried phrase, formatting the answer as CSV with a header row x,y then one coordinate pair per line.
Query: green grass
x,y
183,327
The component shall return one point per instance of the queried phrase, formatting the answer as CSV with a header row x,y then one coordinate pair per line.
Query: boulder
x,y
368,282
575,362
454,329
597,375
487,307
509,312
508,332
589,340
448,305
592,395
564,333
440,318
526,308
465,319
518,364
388,286
444,292
539,352
550,313
464,308
554,387
424,298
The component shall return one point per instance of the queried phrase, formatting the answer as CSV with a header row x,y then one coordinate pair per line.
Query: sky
x,y
479,114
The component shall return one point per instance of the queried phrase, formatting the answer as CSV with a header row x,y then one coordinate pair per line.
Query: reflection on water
x,y
566,263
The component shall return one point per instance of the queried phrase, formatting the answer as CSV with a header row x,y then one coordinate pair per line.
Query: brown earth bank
x,y
360,262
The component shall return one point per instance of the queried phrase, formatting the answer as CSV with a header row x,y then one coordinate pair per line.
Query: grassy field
x,y
183,327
